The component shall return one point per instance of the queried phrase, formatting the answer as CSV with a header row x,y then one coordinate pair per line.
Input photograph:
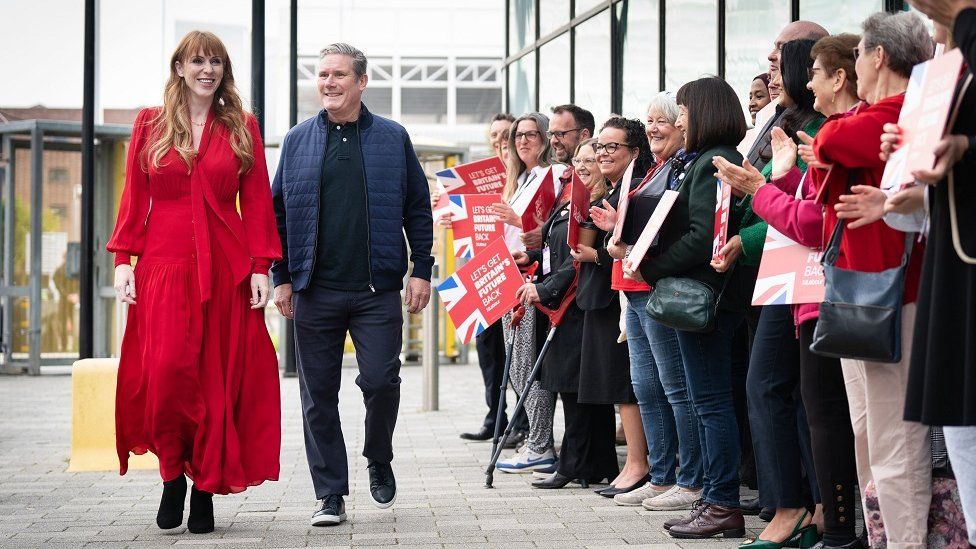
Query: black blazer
x,y
553,286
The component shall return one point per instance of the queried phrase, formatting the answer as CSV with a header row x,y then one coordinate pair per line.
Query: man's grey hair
x,y
341,48
664,103
903,36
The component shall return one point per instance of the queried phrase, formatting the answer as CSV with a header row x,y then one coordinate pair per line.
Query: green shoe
x,y
797,538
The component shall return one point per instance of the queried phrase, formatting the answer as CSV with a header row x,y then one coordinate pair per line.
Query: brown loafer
x,y
712,521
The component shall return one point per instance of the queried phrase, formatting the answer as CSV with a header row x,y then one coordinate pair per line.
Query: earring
x,y
834,98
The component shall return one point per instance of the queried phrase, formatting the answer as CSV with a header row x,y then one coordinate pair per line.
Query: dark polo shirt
x,y
342,257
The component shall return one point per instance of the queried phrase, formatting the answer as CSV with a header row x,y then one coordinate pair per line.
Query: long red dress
x,y
198,375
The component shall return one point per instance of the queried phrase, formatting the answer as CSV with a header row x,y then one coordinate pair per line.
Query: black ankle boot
x,y
201,519
170,514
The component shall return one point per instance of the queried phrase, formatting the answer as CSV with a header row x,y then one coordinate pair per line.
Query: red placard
x,y
482,290
723,200
622,202
474,223
579,209
536,209
923,117
478,177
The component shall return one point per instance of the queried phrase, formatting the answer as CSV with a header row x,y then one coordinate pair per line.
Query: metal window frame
x,y
616,71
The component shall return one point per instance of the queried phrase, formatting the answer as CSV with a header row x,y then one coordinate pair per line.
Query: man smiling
x,y
349,187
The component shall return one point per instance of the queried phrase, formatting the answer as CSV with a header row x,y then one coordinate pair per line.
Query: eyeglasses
x,y
584,161
609,147
559,135
531,135
812,71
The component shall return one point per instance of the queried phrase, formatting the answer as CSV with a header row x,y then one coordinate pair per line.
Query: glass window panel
x,y
554,74
521,85
521,24
839,17
638,27
582,6
692,41
423,105
309,103
379,100
592,76
552,15
751,29
477,105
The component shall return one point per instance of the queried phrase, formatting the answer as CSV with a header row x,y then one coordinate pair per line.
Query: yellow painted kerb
x,y
93,419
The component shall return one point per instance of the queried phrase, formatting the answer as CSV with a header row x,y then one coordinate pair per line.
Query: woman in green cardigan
x,y
780,436
711,118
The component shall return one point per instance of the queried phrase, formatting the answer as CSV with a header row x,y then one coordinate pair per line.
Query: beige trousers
x,y
895,453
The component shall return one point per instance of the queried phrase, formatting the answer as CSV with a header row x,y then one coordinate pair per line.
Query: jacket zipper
x,y
369,251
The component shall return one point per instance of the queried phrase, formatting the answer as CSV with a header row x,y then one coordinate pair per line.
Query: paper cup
x,y
587,236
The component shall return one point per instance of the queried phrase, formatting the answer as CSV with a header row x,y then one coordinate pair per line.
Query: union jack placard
x,y
478,177
482,290
789,273
474,223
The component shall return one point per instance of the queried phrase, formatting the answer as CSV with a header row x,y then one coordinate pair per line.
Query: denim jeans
x,y
658,377
708,371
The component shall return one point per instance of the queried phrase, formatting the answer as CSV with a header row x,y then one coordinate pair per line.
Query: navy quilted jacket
x,y
398,202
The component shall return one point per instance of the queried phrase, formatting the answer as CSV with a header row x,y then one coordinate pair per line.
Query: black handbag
x,y
860,317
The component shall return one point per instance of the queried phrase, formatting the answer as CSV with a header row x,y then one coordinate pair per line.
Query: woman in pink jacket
x,y
789,205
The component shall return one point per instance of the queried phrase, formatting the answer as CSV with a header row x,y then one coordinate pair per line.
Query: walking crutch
x,y
517,314
555,318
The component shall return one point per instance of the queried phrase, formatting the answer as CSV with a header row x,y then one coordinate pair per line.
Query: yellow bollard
x,y
93,419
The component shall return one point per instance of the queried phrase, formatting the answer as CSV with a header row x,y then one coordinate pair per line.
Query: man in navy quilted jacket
x,y
348,188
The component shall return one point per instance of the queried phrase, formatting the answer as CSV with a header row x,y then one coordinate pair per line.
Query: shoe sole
x,y
176,530
735,533
626,504
328,520
527,469
382,505
671,508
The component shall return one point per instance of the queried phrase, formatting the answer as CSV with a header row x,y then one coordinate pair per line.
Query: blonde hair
x,y
515,164
598,183
172,123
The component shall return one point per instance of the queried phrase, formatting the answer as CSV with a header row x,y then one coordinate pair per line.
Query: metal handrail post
x,y
431,352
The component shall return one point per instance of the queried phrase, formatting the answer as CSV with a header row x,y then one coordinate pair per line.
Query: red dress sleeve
x,y
257,213
129,236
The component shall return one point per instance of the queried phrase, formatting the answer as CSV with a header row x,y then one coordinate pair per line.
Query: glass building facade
x,y
610,56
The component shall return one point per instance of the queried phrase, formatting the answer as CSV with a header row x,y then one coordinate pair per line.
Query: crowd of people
x,y
822,407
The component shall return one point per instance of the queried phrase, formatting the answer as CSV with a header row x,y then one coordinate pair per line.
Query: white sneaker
x,y
635,498
675,499
526,461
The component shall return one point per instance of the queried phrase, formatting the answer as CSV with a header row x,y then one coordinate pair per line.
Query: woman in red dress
x,y
198,376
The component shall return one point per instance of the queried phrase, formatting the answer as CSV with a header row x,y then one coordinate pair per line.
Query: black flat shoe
x,y
555,481
613,490
482,435
201,519
601,490
170,514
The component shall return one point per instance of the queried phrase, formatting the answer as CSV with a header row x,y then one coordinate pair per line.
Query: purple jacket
x,y
798,219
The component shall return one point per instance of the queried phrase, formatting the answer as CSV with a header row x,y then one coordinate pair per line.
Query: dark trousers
x,y
374,320
588,451
828,415
741,350
780,437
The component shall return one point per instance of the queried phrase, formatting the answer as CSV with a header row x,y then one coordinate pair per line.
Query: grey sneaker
x,y
332,511
675,499
635,498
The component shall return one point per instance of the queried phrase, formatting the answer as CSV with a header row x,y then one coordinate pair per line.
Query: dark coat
x,y
397,202
942,374
561,366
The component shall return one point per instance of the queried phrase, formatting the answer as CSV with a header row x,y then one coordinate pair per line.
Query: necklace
x,y
200,125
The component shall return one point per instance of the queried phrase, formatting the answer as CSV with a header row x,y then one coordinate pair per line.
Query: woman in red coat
x,y
198,378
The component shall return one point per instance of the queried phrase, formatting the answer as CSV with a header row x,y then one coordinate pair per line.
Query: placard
x,y
537,202
623,201
579,209
474,223
647,236
482,290
789,273
479,177
723,200
923,117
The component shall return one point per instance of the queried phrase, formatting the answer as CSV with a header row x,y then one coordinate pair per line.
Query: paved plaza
x,y
441,502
